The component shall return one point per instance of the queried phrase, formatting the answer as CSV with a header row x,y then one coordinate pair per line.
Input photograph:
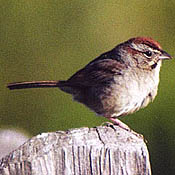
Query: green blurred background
x,y
51,40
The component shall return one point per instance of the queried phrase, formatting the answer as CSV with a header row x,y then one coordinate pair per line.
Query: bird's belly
x,y
120,98
132,97
130,104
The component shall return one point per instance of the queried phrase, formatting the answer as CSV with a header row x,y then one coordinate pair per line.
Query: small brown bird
x,y
117,83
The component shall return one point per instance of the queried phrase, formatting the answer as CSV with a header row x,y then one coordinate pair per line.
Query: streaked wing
x,y
96,73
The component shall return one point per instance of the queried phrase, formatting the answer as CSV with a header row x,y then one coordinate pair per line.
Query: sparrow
x,y
117,83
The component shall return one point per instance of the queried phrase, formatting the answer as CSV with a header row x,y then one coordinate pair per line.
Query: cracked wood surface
x,y
102,150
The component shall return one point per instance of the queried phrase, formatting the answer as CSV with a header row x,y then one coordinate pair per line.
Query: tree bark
x,y
103,150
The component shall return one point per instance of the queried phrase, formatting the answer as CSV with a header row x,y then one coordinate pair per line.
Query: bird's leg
x,y
119,123
125,127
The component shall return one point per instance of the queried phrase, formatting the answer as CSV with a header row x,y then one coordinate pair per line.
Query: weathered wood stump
x,y
103,150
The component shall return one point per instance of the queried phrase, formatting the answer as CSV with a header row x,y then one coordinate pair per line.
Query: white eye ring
x,y
148,53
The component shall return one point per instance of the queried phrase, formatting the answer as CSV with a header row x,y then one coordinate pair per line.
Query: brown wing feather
x,y
96,73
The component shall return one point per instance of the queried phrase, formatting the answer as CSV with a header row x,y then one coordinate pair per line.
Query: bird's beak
x,y
164,56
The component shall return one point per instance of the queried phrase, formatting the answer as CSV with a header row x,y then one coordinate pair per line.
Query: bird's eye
x,y
148,53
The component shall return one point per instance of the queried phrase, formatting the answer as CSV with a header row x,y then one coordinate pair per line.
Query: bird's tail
x,y
33,84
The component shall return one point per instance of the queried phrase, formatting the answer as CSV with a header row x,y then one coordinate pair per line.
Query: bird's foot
x,y
124,126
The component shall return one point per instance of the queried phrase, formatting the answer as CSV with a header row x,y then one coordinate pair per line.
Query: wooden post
x,y
103,150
